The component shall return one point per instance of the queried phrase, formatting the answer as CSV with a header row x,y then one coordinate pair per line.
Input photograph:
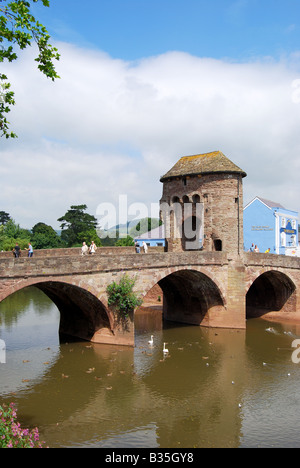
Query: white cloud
x,y
111,127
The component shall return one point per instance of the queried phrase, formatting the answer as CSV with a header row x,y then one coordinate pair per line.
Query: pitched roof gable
x,y
270,204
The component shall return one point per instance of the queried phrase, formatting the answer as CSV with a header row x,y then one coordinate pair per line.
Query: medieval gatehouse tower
x,y
202,204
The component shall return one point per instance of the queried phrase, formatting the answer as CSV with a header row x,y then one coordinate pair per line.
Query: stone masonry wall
x,y
222,199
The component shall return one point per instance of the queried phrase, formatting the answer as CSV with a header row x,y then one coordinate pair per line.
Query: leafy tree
x,y
78,226
18,30
14,230
10,233
45,237
126,242
4,217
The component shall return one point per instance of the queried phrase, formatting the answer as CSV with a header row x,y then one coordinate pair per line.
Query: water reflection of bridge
x,y
178,398
93,393
212,289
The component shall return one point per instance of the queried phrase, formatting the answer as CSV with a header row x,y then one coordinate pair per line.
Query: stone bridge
x,y
212,289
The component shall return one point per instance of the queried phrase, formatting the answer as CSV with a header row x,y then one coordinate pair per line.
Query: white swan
x,y
165,350
150,342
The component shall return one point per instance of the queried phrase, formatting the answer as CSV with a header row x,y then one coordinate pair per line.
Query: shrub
x,y
11,433
121,296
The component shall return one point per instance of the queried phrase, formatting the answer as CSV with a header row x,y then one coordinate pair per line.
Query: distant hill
x,y
132,229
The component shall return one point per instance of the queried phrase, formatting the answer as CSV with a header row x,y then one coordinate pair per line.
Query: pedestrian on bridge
x,y
84,249
30,250
17,251
93,248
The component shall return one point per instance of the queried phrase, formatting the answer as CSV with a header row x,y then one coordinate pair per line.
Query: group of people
x,y
17,250
254,248
85,250
138,248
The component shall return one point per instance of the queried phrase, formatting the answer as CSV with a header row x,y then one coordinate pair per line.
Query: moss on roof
x,y
208,163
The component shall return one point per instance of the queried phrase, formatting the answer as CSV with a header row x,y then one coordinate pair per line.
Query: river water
x,y
215,388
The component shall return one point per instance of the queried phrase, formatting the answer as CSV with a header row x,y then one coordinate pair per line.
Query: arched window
x,y
196,198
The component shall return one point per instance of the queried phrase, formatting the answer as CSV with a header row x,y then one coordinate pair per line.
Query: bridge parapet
x,y
58,266
270,260
76,251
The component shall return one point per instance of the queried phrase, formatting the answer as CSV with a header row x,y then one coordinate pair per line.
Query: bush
x,y
121,296
11,433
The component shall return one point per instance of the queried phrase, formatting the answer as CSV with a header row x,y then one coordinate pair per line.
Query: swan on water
x,y
151,341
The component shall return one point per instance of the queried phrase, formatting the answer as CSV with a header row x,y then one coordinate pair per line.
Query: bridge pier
x,y
121,334
236,299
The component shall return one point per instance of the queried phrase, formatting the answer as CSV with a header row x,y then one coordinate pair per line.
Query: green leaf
x,y
19,29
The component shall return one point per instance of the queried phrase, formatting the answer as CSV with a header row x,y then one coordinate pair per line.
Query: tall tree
x,y
78,226
4,217
45,237
10,233
18,30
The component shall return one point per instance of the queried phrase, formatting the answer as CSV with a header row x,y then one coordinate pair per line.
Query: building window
x,y
294,224
283,222
218,245
293,241
283,239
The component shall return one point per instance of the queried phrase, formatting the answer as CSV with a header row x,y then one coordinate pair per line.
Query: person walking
x,y
84,249
17,251
93,248
30,250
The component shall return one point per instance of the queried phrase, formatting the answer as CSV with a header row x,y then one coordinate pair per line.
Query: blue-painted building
x,y
269,225
154,238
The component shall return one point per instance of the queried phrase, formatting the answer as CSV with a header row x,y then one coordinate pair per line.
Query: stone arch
x,y
271,293
82,314
190,295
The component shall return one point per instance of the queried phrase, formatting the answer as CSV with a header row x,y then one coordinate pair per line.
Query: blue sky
x,y
133,29
144,83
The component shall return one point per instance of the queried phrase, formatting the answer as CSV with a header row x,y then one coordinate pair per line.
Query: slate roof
x,y
208,163
270,203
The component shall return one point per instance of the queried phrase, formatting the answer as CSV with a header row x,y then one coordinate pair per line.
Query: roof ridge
x,y
206,163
